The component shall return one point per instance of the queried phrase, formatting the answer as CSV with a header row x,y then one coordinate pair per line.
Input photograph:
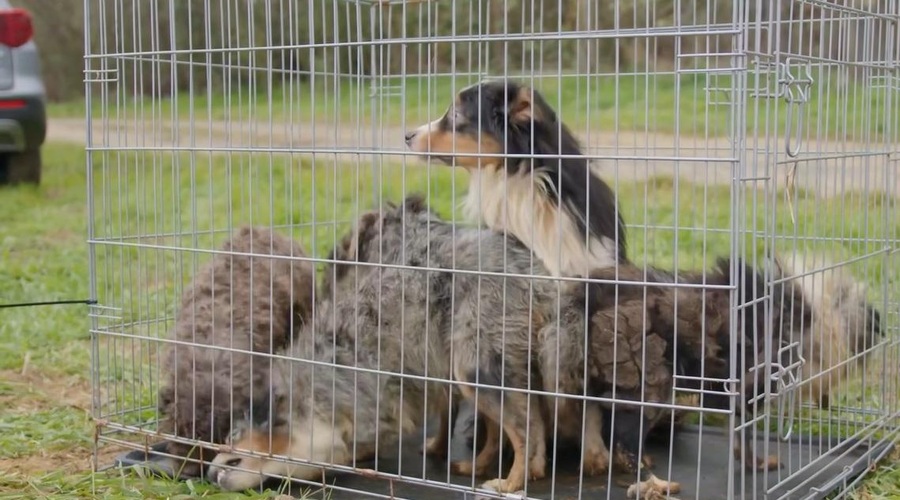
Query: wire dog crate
x,y
738,130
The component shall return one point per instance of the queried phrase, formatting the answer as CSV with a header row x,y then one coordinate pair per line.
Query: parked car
x,y
23,115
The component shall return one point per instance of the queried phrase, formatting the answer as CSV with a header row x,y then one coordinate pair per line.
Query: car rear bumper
x,y
23,123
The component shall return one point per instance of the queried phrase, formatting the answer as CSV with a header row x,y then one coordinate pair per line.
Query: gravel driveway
x,y
825,168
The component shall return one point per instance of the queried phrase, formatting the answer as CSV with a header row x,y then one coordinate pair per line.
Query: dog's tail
x,y
840,327
830,288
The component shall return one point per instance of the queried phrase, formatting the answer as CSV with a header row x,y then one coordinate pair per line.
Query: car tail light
x,y
15,27
12,104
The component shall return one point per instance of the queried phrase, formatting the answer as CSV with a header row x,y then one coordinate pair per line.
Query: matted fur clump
x,y
236,302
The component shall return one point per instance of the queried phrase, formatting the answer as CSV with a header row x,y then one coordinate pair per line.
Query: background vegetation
x,y
180,58
214,36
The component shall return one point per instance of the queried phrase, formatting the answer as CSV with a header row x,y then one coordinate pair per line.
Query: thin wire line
x,y
48,303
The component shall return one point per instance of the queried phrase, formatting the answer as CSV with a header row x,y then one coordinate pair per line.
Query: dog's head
x,y
492,117
260,431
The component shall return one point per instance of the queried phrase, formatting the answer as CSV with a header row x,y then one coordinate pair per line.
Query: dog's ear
x,y
521,106
723,266
874,321
368,220
367,229
415,203
526,105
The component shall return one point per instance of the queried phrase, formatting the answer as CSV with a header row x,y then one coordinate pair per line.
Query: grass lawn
x,y
157,200
695,104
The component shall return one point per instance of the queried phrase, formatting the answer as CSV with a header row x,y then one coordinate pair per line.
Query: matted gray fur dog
x,y
396,311
499,330
235,302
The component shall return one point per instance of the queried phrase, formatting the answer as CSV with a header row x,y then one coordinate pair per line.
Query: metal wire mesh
x,y
745,131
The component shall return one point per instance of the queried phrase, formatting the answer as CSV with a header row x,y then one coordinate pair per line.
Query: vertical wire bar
x,y
889,301
737,130
93,295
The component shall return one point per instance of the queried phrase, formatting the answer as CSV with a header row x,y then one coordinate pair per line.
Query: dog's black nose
x,y
409,137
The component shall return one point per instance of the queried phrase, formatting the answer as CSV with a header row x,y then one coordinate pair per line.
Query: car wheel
x,y
24,167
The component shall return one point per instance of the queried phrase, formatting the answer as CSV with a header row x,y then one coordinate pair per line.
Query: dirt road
x,y
825,168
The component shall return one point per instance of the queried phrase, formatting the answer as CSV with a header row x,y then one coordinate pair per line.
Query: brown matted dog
x,y
241,302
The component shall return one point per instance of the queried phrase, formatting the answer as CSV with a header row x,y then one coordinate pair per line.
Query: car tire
x,y
24,167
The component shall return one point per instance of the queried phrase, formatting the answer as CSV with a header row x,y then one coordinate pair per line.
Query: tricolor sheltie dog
x,y
527,176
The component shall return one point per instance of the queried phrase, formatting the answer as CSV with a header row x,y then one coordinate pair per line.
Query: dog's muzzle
x,y
415,137
213,473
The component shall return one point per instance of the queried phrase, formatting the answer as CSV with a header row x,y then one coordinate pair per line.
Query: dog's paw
x,y
653,488
537,468
462,468
501,486
762,464
770,463
595,462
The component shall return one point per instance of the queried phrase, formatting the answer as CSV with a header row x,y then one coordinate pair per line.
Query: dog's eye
x,y
455,117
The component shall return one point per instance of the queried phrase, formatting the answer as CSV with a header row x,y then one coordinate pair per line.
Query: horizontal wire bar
x,y
477,272
425,378
367,150
861,14
711,29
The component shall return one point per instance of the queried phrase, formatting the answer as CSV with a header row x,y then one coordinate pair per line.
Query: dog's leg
x,y
515,480
515,421
518,415
596,455
438,446
537,464
747,455
628,441
486,456
825,384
